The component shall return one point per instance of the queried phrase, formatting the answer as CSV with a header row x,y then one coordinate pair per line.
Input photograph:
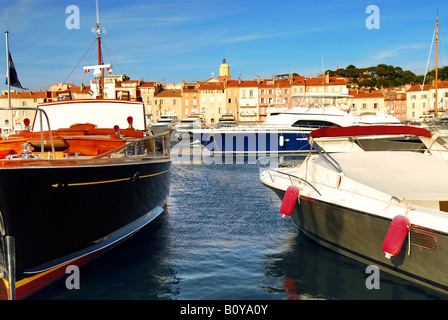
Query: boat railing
x,y
289,175
155,146
261,126
41,112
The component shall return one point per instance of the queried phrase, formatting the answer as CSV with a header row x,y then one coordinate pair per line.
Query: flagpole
x,y
7,70
8,75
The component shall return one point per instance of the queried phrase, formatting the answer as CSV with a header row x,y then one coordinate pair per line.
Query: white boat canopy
x,y
103,113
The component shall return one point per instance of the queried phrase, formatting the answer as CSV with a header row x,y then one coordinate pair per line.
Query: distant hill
x,y
385,76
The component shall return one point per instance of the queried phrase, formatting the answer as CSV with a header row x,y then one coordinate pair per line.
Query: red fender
x,y
398,229
289,200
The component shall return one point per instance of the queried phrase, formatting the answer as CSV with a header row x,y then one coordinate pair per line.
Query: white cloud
x,y
398,51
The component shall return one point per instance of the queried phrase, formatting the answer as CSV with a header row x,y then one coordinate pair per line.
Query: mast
x,y
100,60
437,52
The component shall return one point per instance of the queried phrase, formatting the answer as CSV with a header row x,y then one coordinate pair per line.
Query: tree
x,y
286,75
384,76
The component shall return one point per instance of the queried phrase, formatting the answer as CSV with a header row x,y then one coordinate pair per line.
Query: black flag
x,y
13,74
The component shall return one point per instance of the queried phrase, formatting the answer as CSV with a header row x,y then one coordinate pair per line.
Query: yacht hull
x,y
71,212
288,141
253,142
360,235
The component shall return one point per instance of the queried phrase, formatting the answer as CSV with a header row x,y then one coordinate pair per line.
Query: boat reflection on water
x,y
304,270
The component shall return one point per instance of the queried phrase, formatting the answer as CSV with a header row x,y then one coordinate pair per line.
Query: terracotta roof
x,y
298,80
366,95
25,95
232,83
170,93
269,83
148,84
426,87
242,83
248,83
211,85
319,81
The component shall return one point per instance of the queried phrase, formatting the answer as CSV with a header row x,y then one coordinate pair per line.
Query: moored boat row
x,y
287,131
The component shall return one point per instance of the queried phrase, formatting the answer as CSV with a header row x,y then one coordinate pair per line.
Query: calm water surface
x,y
222,237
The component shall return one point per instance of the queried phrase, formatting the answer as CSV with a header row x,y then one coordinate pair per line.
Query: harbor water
x,y
221,237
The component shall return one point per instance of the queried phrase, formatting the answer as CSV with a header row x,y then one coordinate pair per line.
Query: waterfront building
x,y
421,100
297,85
147,91
248,101
190,99
326,84
168,102
116,87
212,98
70,91
395,102
273,93
10,121
232,97
368,102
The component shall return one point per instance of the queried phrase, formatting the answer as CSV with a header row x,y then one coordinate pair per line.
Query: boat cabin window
x,y
314,124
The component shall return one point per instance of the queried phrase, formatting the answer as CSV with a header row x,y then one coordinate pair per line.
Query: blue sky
x,y
173,41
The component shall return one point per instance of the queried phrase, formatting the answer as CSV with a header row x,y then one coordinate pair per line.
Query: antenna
x,y
97,15
98,30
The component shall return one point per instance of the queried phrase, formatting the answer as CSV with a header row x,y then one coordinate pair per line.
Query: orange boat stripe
x,y
107,181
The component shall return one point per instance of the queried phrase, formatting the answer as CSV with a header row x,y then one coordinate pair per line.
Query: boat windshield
x,y
315,124
319,101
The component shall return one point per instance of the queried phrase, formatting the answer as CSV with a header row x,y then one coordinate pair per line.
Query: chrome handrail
x,y
41,127
141,148
289,175
298,178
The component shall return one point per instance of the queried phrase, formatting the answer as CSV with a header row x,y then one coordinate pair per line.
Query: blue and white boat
x,y
287,132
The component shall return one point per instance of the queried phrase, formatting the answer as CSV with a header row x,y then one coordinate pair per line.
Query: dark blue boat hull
x,y
254,142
